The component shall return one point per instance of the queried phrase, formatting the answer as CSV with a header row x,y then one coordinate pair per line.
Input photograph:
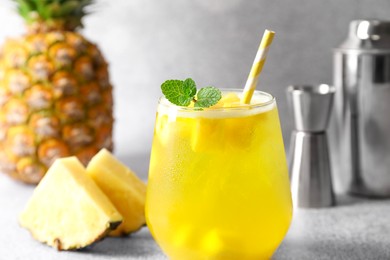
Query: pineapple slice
x,y
123,187
67,209
208,135
228,100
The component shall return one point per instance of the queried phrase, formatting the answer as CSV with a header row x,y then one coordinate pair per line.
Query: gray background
x,y
212,41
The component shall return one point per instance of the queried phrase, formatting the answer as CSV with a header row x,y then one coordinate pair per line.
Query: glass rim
x,y
162,101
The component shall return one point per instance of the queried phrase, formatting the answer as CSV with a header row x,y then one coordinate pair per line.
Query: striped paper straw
x,y
257,66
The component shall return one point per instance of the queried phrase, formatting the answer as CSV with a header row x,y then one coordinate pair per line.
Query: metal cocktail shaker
x,y
361,123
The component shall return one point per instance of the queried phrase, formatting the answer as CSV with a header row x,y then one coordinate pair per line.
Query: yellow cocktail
x,y
218,183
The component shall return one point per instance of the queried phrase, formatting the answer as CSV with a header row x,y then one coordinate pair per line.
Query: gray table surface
x,y
355,229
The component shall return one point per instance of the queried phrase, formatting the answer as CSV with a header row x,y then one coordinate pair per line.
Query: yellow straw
x,y
257,66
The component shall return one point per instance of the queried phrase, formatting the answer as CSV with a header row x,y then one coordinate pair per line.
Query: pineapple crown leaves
x,y
66,14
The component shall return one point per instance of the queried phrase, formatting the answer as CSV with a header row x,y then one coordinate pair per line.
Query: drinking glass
x,y
218,181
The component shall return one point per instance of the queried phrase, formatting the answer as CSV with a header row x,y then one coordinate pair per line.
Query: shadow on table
x,y
343,200
138,245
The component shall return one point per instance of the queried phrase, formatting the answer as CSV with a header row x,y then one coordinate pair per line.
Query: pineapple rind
x,y
68,210
62,77
124,189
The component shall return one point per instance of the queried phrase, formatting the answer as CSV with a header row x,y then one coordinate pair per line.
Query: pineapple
x,y
125,190
67,209
55,93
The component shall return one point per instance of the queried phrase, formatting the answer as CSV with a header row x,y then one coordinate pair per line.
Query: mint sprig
x,y
181,93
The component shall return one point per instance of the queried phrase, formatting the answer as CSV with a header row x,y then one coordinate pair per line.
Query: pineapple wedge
x,y
126,191
67,209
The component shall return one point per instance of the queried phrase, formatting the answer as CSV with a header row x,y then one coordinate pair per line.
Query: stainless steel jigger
x,y
310,174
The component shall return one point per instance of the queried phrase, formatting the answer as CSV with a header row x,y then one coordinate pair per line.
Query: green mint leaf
x,y
190,87
179,92
207,97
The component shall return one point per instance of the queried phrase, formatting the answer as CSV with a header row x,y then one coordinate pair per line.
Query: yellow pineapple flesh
x,y
122,187
67,209
55,93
